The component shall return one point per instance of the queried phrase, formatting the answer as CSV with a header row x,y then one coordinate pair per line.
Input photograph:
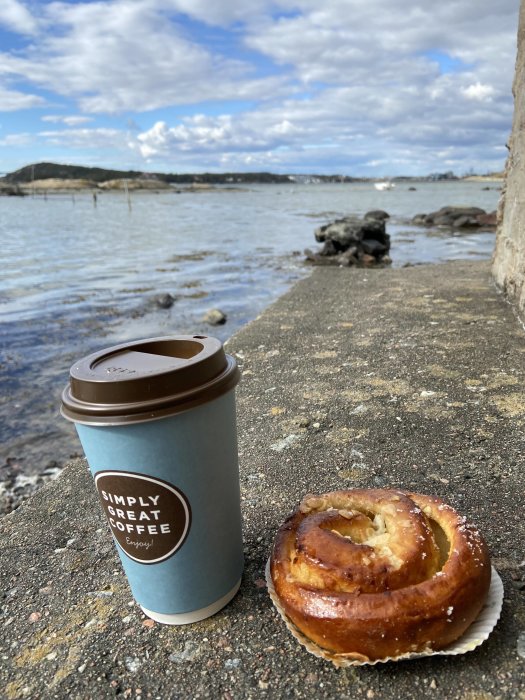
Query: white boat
x,y
384,185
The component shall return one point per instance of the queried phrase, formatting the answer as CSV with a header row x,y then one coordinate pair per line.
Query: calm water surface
x,y
75,278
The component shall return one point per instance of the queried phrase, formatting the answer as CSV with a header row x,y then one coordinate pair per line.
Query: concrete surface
x,y
410,378
509,254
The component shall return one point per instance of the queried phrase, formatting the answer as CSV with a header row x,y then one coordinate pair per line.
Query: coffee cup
x,y
156,419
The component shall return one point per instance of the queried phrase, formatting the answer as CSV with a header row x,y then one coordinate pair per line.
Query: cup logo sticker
x,y
149,518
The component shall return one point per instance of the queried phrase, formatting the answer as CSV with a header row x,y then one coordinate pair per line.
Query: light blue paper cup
x,y
156,420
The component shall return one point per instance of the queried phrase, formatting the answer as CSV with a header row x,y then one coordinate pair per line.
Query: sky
x,y
356,87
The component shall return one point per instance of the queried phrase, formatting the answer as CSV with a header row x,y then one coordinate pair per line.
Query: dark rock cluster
x,y
9,190
353,241
457,218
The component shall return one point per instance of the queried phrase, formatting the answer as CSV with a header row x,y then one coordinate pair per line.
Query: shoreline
x,y
202,274
19,482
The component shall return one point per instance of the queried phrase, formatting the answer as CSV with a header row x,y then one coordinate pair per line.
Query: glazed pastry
x,y
375,574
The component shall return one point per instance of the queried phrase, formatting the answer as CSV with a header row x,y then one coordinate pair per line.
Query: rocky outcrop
x,y
56,184
353,241
457,218
136,184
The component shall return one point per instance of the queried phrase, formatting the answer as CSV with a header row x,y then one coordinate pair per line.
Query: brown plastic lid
x,y
147,379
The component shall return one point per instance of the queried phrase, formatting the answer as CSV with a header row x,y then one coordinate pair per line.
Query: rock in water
x,y
353,241
214,317
378,214
457,218
165,301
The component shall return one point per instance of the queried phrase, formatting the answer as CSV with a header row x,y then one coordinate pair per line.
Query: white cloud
x,y
90,139
224,134
72,120
357,42
16,17
220,13
338,85
342,128
14,100
102,56
17,140
480,92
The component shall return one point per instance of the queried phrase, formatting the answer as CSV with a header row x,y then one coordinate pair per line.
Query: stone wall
x,y
508,265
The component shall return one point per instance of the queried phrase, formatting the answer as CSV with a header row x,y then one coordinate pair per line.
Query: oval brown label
x,y
149,518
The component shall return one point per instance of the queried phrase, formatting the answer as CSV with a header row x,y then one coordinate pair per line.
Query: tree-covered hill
x,y
44,171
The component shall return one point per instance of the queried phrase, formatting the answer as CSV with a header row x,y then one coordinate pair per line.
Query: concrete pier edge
x,y
411,378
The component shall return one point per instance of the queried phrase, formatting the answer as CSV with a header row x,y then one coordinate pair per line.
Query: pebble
x,y
132,663
35,616
285,443
188,653
521,645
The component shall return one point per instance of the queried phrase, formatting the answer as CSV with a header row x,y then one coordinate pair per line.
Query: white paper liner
x,y
474,636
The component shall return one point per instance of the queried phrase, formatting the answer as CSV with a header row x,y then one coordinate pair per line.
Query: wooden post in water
x,y
127,194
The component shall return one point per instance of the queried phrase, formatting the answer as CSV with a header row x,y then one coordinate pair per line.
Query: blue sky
x,y
343,86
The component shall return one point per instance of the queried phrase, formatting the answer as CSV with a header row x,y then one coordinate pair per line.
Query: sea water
x,y
78,275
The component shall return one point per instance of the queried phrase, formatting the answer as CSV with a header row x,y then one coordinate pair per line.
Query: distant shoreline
x,y
67,185
54,186
54,177
497,177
